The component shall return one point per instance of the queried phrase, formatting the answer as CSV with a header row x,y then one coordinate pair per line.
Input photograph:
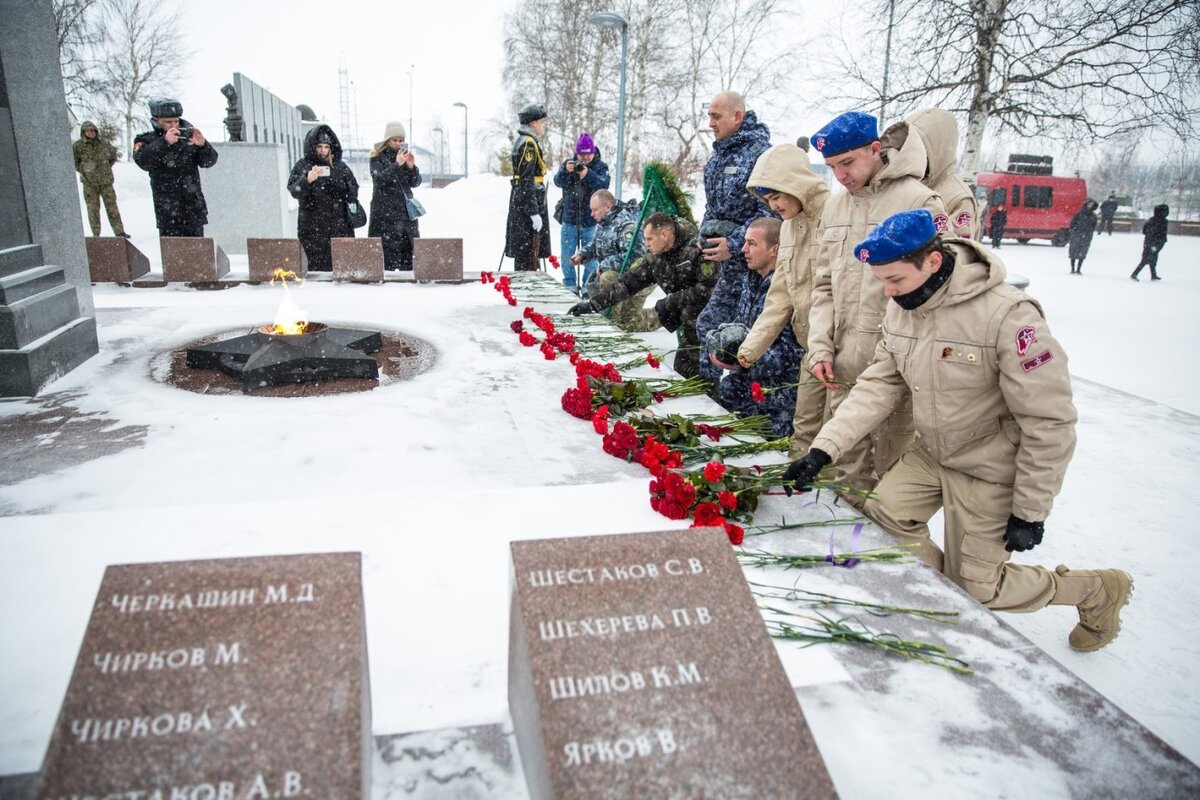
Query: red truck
x,y
1039,204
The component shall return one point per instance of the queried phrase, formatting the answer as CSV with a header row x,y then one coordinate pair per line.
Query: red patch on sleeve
x,y
963,220
1036,361
1026,338
942,223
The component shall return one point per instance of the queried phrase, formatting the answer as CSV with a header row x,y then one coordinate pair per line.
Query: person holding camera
x,y
579,177
173,153
324,185
527,231
394,174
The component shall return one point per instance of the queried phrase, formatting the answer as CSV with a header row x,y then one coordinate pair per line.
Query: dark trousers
x,y
1106,225
195,229
398,251
1149,259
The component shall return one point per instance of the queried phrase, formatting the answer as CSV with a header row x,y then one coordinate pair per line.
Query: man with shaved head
x,y
738,140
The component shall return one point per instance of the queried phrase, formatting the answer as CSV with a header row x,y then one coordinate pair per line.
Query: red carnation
x,y
756,392
712,431
735,533
527,338
549,352
707,514
652,361
728,500
487,277
621,441
528,312
714,471
512,301
600,422
575,357
517,326
578,402
553,261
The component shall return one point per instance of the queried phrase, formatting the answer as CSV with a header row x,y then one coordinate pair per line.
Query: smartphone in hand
x,y
323,171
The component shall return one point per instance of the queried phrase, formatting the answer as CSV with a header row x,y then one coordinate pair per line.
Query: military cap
x,y
845,132
165,107
531,113
896,237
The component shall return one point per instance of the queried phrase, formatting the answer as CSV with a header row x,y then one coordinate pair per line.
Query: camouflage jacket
x,y
613,235
778,366
680,272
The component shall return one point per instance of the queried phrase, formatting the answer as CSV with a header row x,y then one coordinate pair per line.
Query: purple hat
x,y
585,144
896,237
845,132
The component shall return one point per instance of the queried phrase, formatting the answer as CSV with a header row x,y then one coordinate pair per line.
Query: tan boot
x,y
1099,594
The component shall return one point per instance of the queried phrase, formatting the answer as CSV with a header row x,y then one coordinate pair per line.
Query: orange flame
x,y
290,319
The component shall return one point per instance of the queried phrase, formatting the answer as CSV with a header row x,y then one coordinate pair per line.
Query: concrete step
x,y
29,282
27,320
19,259
25,371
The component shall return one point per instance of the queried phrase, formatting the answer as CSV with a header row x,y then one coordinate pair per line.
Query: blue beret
x,y
846,132
896,237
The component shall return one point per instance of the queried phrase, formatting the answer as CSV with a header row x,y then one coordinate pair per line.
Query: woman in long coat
x,y
394,173
1081,230
324,185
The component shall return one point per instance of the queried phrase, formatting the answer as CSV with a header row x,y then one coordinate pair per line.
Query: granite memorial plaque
x,y
233,678
188,259
267,255
357,260
113,258
639,666
438,260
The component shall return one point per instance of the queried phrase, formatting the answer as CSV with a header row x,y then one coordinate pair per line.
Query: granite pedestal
x,y
114,258
438,260
268,255
226,678
192,259
357,260
639,663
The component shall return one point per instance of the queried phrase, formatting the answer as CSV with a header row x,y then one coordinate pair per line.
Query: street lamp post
x,y
463,106
438,150
609,19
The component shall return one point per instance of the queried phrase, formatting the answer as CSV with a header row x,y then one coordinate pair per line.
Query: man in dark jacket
x,y
1081,230
1155,237
527,233
94,158
738,140
675,264
324,185
998,224
579,177
1107,210
173,153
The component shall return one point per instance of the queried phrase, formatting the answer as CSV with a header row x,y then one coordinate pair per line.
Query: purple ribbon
x,y
849,562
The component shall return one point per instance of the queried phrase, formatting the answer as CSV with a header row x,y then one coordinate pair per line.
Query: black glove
x,y
668,317
579,309
800,474
1021,535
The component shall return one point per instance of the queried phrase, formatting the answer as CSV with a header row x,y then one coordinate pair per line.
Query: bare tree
x,y
77,25
145,46
1090,68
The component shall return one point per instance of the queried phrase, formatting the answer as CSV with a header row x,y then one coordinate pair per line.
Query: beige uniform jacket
x,y
990,388
845,321
938,131
786,168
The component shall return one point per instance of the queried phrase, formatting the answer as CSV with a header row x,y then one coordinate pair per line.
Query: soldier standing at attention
x,y
527,234
94,158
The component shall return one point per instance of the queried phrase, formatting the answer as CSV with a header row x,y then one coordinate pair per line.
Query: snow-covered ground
x,y
432,478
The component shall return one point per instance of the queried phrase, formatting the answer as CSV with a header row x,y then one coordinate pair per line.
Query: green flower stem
x,y
818,629
893,554
763,530
821,600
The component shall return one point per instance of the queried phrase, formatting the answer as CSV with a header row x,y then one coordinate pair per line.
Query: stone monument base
x,y
188,259
438,260
268,255
357,260
113,258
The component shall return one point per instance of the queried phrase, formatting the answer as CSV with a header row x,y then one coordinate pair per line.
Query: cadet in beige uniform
x,y
848,301
938,131
783,177
996,425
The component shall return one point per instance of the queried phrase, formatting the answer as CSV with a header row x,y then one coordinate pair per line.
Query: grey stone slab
x,y
357,260
19,259
437,259
235,214
28,283
268,255
642,661
32,318
25,371
225,678
116,259
192,259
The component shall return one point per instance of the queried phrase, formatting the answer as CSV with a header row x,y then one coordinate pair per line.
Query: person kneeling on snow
x,y
777,367
616,228
992,405
675,264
